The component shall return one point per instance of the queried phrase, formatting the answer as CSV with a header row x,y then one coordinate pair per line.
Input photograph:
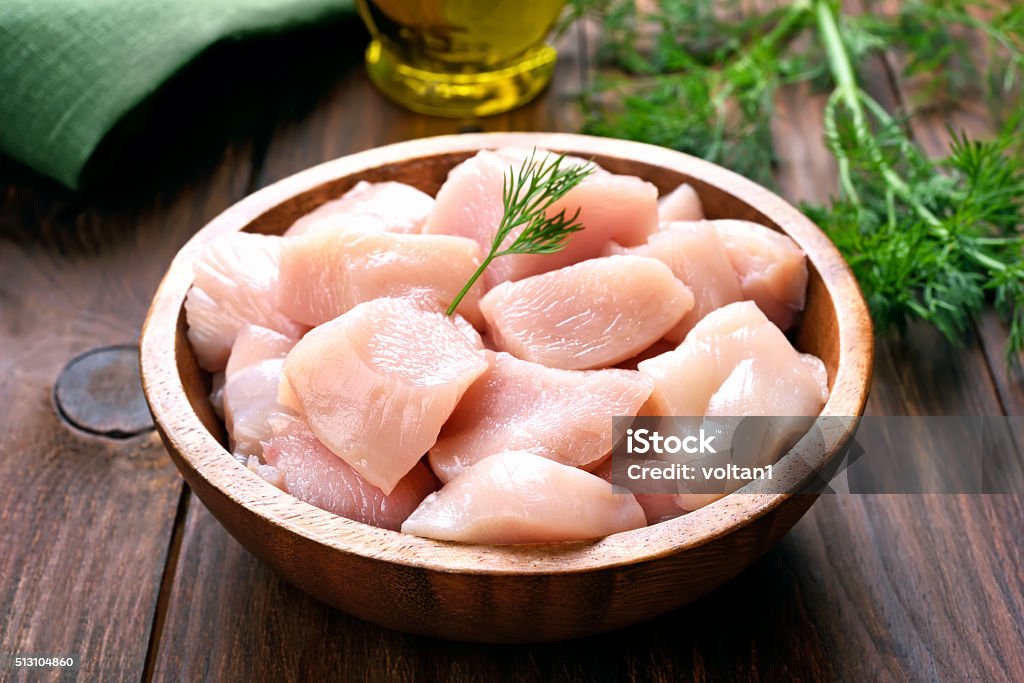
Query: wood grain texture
x,y
866,587
86,519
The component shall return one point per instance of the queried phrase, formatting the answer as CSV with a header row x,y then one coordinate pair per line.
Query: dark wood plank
x,y
86,519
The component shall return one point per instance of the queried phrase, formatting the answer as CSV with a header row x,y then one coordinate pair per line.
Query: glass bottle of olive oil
x,y
460,57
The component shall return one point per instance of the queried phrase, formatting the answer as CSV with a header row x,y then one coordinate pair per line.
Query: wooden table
x,y
105,554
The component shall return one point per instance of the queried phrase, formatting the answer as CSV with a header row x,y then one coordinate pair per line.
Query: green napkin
x,y
71,69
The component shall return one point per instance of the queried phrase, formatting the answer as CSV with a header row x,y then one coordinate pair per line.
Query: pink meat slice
x,y
658,507
387,206
736,362
254,344
327,272
519,497
309,471
564,415
612,207
589,315
377,383
772,269
681,204
250,398
249,392
236,283
697,257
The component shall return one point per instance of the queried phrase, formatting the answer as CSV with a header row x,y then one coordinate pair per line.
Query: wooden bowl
x,y
500,593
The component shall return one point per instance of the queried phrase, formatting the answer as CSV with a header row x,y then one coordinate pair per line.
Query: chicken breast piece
x,y
735,362
697,257
658,507
589,315
377,383
519,497
564,415
611,207
250,387
772,269
236,283
250,398
326,272
306,469
387,206
681,204
254,344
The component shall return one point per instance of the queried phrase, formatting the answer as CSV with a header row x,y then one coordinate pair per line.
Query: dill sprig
x,y
928,239
527,194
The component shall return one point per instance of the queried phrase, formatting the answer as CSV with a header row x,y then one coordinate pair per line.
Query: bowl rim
x,y
198,454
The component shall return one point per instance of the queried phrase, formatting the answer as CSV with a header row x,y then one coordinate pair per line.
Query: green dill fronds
x,y
527,194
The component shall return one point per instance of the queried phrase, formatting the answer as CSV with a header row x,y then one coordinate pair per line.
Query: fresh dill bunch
x,y
926,239
685,79
527,194
939,40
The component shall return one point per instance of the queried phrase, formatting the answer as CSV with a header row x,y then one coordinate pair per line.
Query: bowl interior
x,y
834,327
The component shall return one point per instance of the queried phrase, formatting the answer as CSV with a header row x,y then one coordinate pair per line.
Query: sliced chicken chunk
x,y
251,385
377,383
681,204
589,315
387,206
611,207
735,362
564,415
519,497
309,471
255,344
772,269
236,283
697,257
326,272
658,507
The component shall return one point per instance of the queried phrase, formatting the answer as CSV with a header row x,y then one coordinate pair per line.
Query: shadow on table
x,y
742,631
754,626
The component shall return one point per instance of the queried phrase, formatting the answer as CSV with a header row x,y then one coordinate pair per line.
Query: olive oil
x,y
460,57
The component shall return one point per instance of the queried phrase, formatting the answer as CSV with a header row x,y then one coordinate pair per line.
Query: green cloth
x,y
70,70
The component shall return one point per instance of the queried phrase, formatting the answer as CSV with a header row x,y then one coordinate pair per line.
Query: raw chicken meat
x,y
735,362
388,206
236,282
564,415
251,386
269,473
377,383
772,269
589,315
310,472
519,497
612,207
255,344
326,272
658,507
681,204
697,257
250,397
656,349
